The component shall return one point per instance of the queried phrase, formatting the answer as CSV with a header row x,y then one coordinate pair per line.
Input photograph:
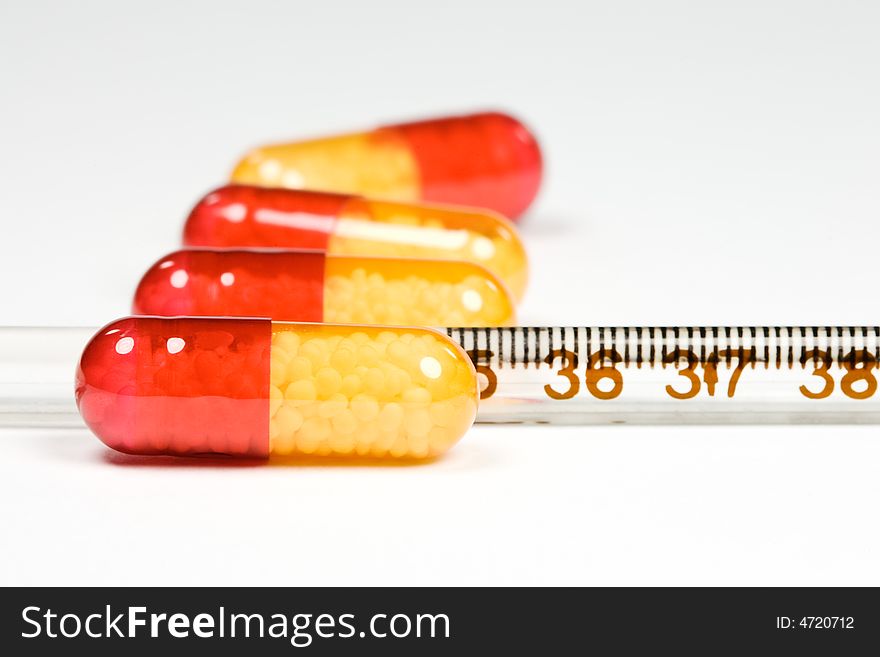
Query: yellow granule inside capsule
x,y
377,163
410,293
367,391
376,228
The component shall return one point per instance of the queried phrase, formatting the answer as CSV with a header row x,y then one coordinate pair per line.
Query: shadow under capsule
x,y
302,461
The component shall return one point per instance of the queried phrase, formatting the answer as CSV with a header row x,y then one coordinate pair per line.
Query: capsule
x,y
309,286
487,160
248,216
257,388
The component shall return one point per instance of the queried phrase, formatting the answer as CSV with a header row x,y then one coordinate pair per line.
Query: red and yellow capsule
x,y
255,388
486,160
247,216
309,286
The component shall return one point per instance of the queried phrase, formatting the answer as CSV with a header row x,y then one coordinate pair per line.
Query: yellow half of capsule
x,y
380,228
400,291
367,391
377,163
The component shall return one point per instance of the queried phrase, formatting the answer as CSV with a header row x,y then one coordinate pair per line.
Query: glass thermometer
x,y
570,375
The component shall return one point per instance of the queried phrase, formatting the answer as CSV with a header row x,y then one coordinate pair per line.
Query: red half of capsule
x,y
259,283
245,215
181,386
488,160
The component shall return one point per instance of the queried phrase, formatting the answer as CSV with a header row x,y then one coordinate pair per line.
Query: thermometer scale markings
x,y
603,350
524,346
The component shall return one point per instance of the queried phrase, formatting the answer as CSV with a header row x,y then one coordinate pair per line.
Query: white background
x,y
707,163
